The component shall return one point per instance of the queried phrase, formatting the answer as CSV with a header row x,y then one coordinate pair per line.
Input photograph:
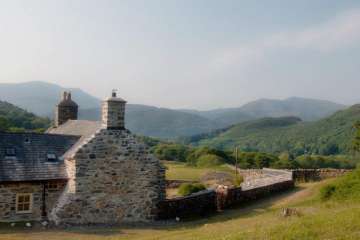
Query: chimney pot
x,y
64,95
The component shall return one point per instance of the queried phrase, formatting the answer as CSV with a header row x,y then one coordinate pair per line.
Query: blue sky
x,y
186,54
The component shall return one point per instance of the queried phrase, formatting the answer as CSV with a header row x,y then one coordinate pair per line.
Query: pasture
x,y
259,220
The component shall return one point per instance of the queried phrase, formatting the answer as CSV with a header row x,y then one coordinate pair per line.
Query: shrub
x,y
256,160
186,189
171,152
318,161
238,180
327,191
209,160
197,153
343,188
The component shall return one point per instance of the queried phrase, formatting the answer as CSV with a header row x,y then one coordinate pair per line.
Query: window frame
x,y
51,157
10,152
56,184
18,195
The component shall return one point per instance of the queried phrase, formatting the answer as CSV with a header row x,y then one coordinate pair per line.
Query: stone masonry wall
x,y
200,204
250,174
113,114
211,201
305,175
237,196
115,180
62,114
8,193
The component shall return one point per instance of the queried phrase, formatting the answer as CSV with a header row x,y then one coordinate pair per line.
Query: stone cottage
x,y
79,172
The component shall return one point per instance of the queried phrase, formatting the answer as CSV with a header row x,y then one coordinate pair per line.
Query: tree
x,y
4,124
356,141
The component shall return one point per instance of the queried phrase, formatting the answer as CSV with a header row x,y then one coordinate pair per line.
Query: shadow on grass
x,y
245,210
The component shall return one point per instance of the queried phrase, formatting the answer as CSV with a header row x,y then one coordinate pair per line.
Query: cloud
x,y
341,31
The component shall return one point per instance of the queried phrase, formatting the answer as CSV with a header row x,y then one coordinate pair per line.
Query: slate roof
x,y
30,162
83,128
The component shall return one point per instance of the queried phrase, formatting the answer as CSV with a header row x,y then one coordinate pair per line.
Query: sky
x,y
199,54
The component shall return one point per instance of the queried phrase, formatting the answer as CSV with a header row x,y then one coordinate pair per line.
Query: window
x,y
27,140
10,152
52,186
51,157
24,203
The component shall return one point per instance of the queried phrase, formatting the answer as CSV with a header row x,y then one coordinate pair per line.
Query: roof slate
x,y
30,162
84,128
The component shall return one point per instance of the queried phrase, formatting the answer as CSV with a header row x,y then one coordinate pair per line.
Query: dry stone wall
x,y
199,204
237,196
115,180
211,201
305,175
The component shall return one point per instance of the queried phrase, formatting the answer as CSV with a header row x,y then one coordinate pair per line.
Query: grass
x,y
181,171
260,220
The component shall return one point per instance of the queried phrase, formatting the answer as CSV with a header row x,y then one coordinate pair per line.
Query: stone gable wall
x,y
115,180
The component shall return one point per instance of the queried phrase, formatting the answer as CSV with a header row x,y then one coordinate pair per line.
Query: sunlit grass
x,y
181,171
260,220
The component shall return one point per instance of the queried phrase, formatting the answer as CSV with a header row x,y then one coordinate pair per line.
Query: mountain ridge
x,y
41,97
331,135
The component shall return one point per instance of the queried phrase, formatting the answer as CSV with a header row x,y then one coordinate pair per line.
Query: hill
x,y
158,122
13,118
331,135
306,109
41,98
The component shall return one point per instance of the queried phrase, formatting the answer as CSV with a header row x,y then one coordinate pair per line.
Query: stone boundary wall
x,y
306,175
176,183
283,172
211,201
250,174
198,204
236,196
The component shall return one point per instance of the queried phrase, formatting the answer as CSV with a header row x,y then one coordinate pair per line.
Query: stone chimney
x,y
113,112
67,109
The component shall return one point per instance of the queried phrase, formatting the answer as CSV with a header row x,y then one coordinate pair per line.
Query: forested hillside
x,y
13,118
306,109
332,135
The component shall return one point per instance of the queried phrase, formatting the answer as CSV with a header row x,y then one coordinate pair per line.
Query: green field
x,y
260,220
181,171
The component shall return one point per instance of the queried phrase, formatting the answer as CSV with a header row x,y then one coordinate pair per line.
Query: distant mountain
x,y
13,118
41,98
306,109
331,135
158,122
